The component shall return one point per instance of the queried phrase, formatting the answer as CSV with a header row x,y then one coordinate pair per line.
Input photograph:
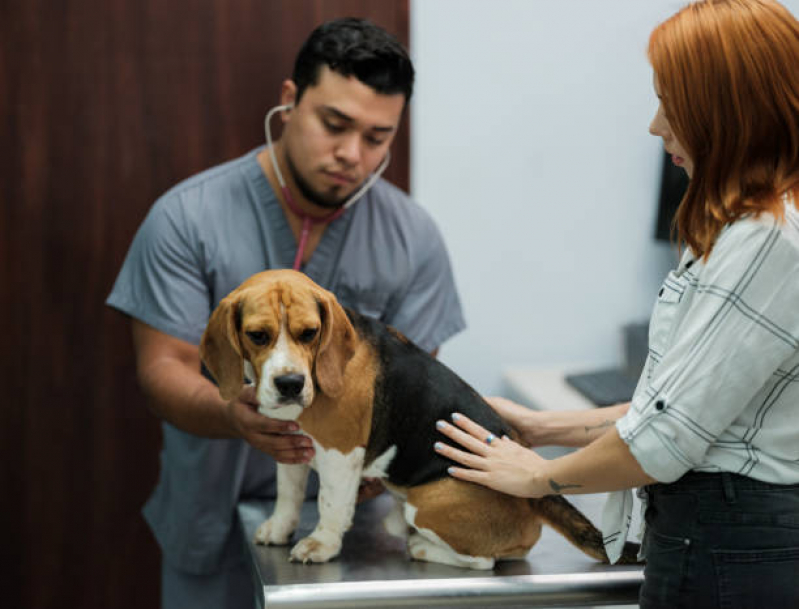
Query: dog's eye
x,y
258,338
308,335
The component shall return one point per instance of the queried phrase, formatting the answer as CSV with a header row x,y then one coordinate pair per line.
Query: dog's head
x,y
290,335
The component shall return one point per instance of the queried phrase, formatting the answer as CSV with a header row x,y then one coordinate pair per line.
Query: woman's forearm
x,y
569,428
605,465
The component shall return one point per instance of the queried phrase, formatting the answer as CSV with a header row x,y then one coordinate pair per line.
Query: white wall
x,y
530,147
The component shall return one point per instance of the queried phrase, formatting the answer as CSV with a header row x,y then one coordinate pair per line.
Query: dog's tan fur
x,y
344,422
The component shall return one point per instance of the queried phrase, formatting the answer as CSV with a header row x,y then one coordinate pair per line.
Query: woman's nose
x,y
656,127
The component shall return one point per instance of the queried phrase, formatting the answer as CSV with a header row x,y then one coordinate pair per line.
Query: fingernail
x,y
456,416
440,424
438,446
450,470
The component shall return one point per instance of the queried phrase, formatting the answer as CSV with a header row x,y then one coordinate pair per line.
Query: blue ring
x,y
490,438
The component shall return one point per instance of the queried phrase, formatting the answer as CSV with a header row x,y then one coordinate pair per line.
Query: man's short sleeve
x,y
429,312
162,281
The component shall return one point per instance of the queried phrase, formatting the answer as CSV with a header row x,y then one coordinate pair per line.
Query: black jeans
x,y
721,541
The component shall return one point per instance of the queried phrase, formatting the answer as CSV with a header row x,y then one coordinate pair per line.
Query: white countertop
x,y
544,388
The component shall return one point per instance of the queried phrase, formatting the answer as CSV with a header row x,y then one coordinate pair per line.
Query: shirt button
x,y
660,405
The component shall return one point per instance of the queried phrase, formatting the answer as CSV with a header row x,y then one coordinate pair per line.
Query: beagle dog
x,y
369,399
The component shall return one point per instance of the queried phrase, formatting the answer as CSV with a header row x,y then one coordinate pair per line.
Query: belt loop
x,y
727,487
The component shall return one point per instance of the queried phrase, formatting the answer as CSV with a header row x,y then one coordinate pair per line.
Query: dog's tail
x,y
567,520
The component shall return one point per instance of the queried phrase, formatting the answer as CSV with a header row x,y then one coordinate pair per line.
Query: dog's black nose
x,y
290,385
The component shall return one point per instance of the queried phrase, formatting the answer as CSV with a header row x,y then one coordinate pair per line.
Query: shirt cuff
x,y
655,449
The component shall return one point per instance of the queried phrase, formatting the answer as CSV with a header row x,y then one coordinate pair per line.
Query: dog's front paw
x,y
275,531
312,549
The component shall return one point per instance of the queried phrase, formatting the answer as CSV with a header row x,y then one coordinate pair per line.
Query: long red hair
x,y
728,72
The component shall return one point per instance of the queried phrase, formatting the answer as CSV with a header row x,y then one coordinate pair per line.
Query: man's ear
x,y
336,345
288,96
220,348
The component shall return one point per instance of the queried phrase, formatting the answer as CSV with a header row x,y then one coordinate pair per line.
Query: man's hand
x,y
277,438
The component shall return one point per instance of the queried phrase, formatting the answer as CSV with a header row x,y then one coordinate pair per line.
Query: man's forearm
x,y
183,397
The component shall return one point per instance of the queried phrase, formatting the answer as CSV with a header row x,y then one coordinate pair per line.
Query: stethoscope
x,y
309,221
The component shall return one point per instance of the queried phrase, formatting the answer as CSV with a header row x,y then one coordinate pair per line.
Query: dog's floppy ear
x,y
220,349
336,345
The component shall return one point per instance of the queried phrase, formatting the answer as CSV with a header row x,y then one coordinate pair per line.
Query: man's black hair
x,y
359,48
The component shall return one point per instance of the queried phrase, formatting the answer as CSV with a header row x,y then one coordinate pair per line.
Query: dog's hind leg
x,y
475,525
425,545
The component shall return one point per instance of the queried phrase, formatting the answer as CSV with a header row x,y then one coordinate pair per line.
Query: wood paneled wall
x,y
104,104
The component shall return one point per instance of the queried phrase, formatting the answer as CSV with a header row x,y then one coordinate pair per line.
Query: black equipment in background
x,y
673,184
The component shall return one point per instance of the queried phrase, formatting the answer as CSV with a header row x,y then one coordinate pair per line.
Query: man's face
x,y
337,135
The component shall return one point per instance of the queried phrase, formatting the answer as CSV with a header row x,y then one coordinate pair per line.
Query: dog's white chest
x,y
332,462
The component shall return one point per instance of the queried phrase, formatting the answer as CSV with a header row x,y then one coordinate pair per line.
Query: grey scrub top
x,y
384,257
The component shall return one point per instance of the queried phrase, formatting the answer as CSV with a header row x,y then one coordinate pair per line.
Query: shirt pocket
x,y
664,315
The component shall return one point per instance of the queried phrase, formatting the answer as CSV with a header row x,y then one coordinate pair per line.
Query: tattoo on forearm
x,y
558,488
603,424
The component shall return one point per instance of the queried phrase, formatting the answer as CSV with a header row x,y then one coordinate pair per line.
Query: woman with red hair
x,y
712,432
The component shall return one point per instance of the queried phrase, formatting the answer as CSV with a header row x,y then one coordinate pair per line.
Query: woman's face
x,y
660,127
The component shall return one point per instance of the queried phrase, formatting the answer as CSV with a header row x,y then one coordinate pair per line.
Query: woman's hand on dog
x,y
500,464
517,416
274,437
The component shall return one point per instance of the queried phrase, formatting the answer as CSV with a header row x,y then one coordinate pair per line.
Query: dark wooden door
x,y
104,104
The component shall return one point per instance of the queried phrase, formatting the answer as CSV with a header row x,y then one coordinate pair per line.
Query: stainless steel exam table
x,y
373,570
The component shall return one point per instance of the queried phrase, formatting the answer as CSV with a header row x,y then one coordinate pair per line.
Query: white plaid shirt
x,y
720,387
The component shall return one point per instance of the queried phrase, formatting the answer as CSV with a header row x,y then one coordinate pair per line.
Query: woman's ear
x,y
220,348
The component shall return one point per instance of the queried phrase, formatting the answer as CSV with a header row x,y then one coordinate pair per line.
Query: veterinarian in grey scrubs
x,y
713,429
383,256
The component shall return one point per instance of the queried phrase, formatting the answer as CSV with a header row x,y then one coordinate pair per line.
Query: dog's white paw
x,y
311,549
275,531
